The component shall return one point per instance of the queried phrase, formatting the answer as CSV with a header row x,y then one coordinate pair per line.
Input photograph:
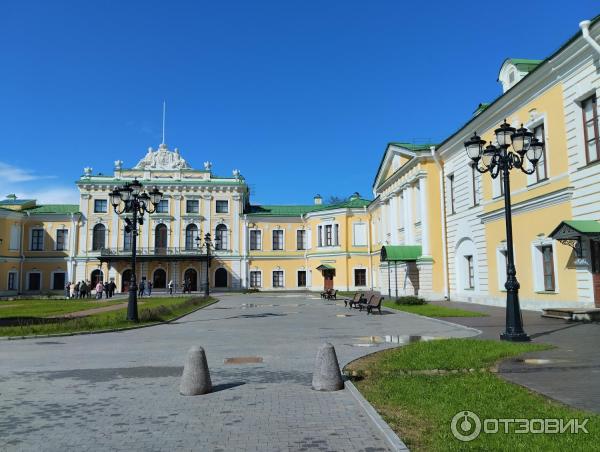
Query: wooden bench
x,y
374,303
355,299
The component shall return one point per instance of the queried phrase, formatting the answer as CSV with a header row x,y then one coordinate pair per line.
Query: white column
x,y
207,214
424,216
409,225
114,228
385,220
235,233
393,218
84,204
177,229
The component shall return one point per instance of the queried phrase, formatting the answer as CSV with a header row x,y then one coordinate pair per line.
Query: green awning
x,y
575,229
404,253
325,267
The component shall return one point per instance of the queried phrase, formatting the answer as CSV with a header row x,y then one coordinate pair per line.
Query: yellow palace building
x,y
433,227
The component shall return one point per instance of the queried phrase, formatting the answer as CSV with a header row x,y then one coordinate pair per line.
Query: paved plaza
x,y
119,391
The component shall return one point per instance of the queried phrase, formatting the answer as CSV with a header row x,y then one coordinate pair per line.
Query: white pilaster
x,y
177,230
424,216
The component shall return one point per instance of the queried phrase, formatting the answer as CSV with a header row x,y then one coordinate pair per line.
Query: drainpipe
x,y
585,32
444,232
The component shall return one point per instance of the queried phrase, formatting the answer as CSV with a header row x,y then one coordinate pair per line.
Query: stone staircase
x,y
573,314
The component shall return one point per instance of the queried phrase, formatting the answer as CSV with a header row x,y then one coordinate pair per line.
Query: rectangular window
x,y
301,278
278,278
451,192
58,281
12,281
127,240
470,272
474,185
100,205
329,235
336,234
37,240
540,169
360,234
360,277
255,279
35,281
163,206
277,239
222,206
548,267
590,129
320,228
255,239
301,239
62,236
192,206
502,260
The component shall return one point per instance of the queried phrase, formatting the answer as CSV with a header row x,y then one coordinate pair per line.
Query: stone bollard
x,y
327,375
196,376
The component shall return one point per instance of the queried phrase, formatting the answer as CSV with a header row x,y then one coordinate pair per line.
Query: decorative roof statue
x,y
207,166
88,171
236,173
118,164
162,159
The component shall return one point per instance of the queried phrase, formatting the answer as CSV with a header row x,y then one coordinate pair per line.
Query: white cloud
x,y
26,184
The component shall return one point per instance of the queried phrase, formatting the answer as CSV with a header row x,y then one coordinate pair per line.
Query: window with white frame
x,y
329,235
278,278
591,128
320,235
37,239
15,237
12,281
548,267
222,206
255,279
255,239
221,237
544,274
100,205
62,236
501,261
301,278
34,281
541,171
336,234
301,239
359,234
192,206
470,273
162,206
278,239
360,277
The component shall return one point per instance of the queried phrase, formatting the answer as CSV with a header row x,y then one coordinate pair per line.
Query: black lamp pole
x,y
129,198
499,160
208,244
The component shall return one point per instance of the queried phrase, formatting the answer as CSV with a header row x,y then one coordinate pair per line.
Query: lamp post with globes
x,y
131,200
500,160
209,245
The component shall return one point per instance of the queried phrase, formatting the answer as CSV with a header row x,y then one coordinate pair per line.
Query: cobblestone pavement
x,y
119,391
568,373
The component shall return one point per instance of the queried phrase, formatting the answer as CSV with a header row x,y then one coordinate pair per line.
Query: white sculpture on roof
x,y
162,159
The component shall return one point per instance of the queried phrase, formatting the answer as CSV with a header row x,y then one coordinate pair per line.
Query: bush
x,y
410,300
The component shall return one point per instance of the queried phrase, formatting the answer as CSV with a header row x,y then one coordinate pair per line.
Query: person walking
x,y
142,288
89,288
72,290
83,288
149,288
113,287
106,290
76,294
170,286
67,289
99,290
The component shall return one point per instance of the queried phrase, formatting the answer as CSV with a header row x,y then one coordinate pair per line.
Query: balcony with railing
x,y
168,253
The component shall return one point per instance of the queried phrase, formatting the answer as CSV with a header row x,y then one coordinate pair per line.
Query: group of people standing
x,y
83,289
144,287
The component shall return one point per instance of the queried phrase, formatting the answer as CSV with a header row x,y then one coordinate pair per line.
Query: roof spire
x,y
163,121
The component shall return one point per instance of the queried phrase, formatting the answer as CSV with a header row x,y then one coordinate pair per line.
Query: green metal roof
x,y
15,202
296,211
524,64
403,253
481,107
573,229
54,208
413,146
325,267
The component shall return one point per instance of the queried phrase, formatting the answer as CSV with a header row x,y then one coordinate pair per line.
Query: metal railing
x,y
169,251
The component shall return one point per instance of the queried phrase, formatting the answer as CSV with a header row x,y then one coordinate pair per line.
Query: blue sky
x,y
300,96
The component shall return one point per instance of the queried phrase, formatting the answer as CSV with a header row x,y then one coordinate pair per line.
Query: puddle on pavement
x,y
538,361
254,305
366,341
243,360
343,315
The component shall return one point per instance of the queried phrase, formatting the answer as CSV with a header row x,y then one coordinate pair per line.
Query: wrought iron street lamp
x,y
131,200
209,245
499,159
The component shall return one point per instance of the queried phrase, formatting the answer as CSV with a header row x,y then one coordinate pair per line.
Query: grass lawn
x,y
153,310
48,308
420,408
432,310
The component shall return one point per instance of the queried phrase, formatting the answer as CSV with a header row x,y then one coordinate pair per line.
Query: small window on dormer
x,y
511,77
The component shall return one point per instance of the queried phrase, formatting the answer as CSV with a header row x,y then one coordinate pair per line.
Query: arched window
x,y
99,237
221,242
191,232
126,240
160,237
96,277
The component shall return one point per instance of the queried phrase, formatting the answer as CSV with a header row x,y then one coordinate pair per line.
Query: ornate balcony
x,y
170,253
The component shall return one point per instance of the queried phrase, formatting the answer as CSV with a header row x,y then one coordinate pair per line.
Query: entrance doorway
x,y
125,280
159,281
595,255
191,276
328,275
96,277
221,278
